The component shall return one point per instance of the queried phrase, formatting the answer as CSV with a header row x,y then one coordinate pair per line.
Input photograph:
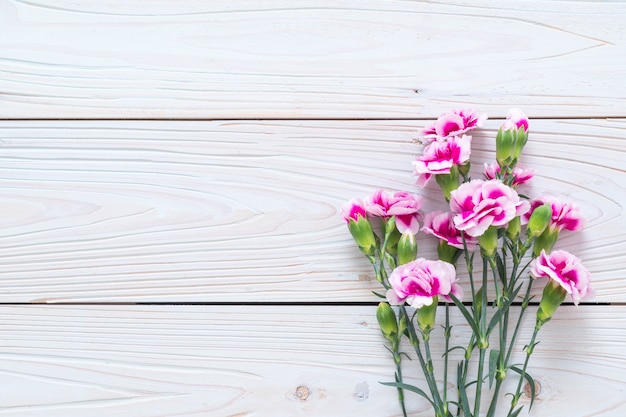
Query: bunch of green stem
x,y
491,342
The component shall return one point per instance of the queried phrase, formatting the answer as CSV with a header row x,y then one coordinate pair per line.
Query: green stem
x,y
426,366
397,359
518,325
479,381
447,331
483,342
529,351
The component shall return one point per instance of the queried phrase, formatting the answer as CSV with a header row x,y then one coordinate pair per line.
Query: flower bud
x,y
511,139
392,235
465,168
553,296
363,235
387,321
448,182
488,242
520,142
505,147
447,252
426,317
545,241
513,228
407,248
539,220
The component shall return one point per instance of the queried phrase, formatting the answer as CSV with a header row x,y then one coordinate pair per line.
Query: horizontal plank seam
x,y
278,119
262,303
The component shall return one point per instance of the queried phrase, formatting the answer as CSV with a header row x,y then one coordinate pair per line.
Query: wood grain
x,y
310,59
266,360
238,211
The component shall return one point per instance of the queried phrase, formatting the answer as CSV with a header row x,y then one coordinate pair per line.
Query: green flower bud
x,y
363,235
465,168
553,296
539,220
447,252
448,182
426,317
407,248
392,235
387,321
513,228
488,242
545,241
505,147
520,141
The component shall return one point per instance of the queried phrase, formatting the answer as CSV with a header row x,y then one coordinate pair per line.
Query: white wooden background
x,y
171,174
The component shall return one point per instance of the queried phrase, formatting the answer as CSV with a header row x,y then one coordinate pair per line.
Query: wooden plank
x,y
267,360
249,211
310,59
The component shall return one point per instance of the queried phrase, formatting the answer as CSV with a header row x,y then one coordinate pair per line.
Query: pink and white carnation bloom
x,y
405,206
353,209
451,124
441,225
418,282
564,215
566,270
520,175
479,204
515,119
439,157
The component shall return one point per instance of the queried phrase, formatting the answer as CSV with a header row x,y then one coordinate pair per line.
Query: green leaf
x,y
531,382
494,355
468,317
496,317
501,269
411,388
379,295
516,412
463,401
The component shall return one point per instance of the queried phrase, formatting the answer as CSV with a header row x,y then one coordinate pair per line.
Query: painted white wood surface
x,y
309,59
247,210
224,361
236,211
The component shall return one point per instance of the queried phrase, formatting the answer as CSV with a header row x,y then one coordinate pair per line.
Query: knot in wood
x,y
302,393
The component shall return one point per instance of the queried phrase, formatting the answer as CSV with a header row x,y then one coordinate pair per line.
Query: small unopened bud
x,y
488,242
392,235
363,235
448,182
426,317
545,241
387,321
505,147
446,252
407,248
539,220
553,296
513,228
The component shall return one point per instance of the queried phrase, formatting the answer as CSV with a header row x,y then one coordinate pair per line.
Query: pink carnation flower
x,y
566,270
451,124
353,209
479,204
441,225
564,215
417,282
515,119
439,157
520,175
403,205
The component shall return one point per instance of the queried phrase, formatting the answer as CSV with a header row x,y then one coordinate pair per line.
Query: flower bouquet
x,y
514,237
